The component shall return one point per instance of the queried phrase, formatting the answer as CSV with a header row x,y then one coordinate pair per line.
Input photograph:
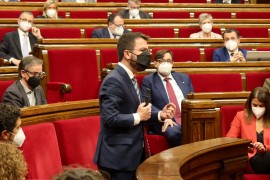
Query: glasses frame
x,y
163,61
25,20
36,74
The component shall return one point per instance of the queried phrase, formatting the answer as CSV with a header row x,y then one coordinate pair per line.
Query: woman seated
x,y
206,24
50,10
254,124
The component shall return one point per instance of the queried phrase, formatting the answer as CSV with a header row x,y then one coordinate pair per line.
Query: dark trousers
x,y
260,163
119,175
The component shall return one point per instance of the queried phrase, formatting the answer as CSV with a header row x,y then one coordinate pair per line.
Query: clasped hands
x,y
167,114
238,57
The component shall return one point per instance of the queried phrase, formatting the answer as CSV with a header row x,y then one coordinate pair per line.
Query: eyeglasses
x,y
163,60
135,7
25,20
119,25
142,50
36,74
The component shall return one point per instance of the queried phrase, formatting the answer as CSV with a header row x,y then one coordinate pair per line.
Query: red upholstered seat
x,y
77,139
252,15
256,176
182,54
227,115
189,1
186,32
108,56
157,143
171,15
41,151
216,15
88,32
255,32
3,86
216,82
113,1
88,14
156,32
155,1
61,32
208,54
263,49
15,13
77,67
243,1
255,79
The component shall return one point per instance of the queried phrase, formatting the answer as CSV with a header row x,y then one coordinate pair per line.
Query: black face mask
x,y
143,61
33,82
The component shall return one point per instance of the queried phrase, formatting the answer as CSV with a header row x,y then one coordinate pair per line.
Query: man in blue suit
x,y
120,144
160,96
231,52
114,30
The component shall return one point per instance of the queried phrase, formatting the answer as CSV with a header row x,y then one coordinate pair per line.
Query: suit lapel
x,y
226,54
17,41
160,87
106,33
25,98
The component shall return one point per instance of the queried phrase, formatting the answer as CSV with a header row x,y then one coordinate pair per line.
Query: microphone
x,y
147,96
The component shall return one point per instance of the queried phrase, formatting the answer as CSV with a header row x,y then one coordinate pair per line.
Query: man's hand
x,y
167,122
36,32
15,61
144,112
238,57
168,111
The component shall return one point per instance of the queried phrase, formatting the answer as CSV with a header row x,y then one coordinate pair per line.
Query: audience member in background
x,y
161,95
50,10
254,124
81,173
27,91
231,52
206,24
10,124
229,1
18,44
115,29
12,164
120,147
133,11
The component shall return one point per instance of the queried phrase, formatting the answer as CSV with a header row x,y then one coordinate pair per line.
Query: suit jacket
x,y
10,45
222,55
103,33
159,97
120,143
233,1
241,129
15,94
125,14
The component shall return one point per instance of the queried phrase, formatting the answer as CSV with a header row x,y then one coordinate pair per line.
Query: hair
x,y
230,30
12,164
160,54
81,174
27,62
47,4
127,42
263,95
26,12
9,114
112,17
135,1
204,16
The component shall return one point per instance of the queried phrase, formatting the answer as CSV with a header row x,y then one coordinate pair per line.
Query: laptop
x,y
258,56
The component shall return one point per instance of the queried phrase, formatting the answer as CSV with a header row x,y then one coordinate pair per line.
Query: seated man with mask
x,y
133,11
231,52
167,86
27,91
10,124
114,30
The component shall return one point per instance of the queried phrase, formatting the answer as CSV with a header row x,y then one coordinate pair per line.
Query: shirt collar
x,y
21,33
162,78
26,89
129,72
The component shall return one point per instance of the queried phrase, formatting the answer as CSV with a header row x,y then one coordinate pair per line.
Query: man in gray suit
x,y
17,44
133,11
27,91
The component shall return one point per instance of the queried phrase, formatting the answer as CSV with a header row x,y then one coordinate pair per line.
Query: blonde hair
x,y
204,16
47,4
12,164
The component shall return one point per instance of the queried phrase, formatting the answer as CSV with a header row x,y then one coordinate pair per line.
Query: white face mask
x,y
206,28
165,68
19,137
51,13
231,45
119,31
134,12
258,111
25,26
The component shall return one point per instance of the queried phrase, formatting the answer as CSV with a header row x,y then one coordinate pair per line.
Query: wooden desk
x,y
221,158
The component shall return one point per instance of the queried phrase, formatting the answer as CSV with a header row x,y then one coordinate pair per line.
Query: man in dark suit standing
x,y
133,11
27,91
160,94
119,149
115,29
229,1
17,44
231,52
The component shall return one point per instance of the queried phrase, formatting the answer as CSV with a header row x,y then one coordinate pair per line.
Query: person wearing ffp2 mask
x,y
50,10
231,52
133,11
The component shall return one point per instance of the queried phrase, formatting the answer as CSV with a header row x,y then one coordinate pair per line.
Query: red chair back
x,y
208,54
171,15
215,15
3,86
108,56
188,1
156,32
253,32
3,31
56,33
252,15
89,14
88,32
255,79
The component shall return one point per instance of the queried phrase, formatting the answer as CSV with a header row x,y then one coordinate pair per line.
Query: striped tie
x,y
135,83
